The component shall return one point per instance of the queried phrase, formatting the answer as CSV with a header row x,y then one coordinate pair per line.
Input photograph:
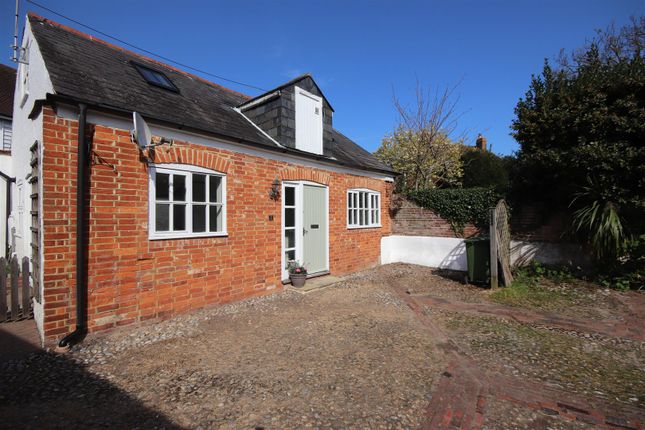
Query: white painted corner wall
x,y
440,252
450,253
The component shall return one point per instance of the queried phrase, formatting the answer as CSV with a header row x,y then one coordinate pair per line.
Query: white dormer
x,y
309,121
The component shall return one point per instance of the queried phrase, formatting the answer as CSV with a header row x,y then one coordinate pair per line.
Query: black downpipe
x,y
81,238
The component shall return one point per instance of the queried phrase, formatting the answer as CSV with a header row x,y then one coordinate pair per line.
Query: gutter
x,y
81,235
53,98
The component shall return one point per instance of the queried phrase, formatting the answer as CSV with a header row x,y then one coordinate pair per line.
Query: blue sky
x,y
359,51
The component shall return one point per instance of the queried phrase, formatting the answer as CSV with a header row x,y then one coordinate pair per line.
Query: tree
x,y
420,148
581,130
483,169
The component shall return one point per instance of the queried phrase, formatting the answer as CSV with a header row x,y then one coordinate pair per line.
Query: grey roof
x,y
287,84
86,69
7,86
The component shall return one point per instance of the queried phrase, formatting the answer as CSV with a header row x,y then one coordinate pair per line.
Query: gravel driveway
x,y
349,356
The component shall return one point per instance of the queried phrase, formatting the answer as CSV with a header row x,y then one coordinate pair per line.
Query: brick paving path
x,y
18,339
461,397
632,327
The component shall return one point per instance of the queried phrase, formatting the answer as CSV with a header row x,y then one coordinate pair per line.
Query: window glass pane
x,y
162,217
289,217
199,188
373,217
215,218
349,200
350,218
290,256
367,216
360,217
215,189
162,186
355,199
290,238
355,216
179,217
179,188
378,213
199,218
290,196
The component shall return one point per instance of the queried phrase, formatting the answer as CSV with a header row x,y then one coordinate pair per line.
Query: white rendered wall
x,y
25,132
441,252
7,169
450,253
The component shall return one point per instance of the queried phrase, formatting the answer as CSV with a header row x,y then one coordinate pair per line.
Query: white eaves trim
x,y
258,128
116,121
248,105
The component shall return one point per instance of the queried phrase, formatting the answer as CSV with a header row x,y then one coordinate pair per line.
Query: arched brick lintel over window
x,y
186,155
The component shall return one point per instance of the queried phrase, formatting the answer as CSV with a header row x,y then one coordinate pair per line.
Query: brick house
x,y
238,187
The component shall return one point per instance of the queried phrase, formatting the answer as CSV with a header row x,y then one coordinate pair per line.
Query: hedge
x,y
458,206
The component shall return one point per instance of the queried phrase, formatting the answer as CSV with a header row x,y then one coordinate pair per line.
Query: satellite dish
x,y
141,134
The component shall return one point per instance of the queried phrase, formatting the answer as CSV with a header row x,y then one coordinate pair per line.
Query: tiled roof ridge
x,y
127,51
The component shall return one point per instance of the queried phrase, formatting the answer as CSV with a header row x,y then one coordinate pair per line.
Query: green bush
x,y
458,206
484,169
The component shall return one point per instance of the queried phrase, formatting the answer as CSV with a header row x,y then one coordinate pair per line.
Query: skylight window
x,y
156,78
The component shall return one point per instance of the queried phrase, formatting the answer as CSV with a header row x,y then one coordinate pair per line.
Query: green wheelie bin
x,y
478,256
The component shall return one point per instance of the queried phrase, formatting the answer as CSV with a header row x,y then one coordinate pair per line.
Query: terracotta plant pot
x,y
298,279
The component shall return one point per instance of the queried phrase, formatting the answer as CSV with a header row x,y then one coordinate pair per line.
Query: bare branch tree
x,y
421,147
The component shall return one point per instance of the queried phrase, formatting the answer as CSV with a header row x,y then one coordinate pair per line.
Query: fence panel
x,y
15,290
3,289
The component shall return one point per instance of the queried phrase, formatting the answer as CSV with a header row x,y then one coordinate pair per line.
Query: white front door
x,y
305,226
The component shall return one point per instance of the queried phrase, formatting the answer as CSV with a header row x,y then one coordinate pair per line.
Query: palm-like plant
x,y
599,219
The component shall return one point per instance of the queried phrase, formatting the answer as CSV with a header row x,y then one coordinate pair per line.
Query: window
x,y
289,223
186,201
5,135
156,78
363,209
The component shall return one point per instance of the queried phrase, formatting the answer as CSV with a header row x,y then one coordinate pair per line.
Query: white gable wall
x,y
32,83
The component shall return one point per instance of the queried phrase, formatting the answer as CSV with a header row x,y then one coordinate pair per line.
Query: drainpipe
x,y
81,238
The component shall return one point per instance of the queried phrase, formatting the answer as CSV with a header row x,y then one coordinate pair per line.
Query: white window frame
x,y
188,171
366,203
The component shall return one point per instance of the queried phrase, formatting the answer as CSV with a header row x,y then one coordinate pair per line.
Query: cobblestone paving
x,y
347,357
399,346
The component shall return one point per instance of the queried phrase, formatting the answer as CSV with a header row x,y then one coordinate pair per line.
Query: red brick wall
x,y
132,278
409,219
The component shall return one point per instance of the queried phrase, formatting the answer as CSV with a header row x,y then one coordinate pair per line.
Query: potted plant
x,y
297,273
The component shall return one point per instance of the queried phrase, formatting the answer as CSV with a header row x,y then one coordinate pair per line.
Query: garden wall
x,y
420,236
410,219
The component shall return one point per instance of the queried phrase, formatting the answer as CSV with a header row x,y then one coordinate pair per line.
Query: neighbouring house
x,y
247,184
7,88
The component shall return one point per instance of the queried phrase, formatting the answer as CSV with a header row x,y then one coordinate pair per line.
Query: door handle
x,y
304,231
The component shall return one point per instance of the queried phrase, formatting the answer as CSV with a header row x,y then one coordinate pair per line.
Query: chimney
x,y
481,141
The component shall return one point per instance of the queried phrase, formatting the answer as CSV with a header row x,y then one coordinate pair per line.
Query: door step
x,y
316,284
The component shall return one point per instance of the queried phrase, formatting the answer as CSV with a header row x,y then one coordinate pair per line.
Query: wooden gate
x,y
15,294
500,245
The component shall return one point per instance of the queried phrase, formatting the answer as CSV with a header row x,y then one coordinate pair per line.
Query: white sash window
x,y
186,201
